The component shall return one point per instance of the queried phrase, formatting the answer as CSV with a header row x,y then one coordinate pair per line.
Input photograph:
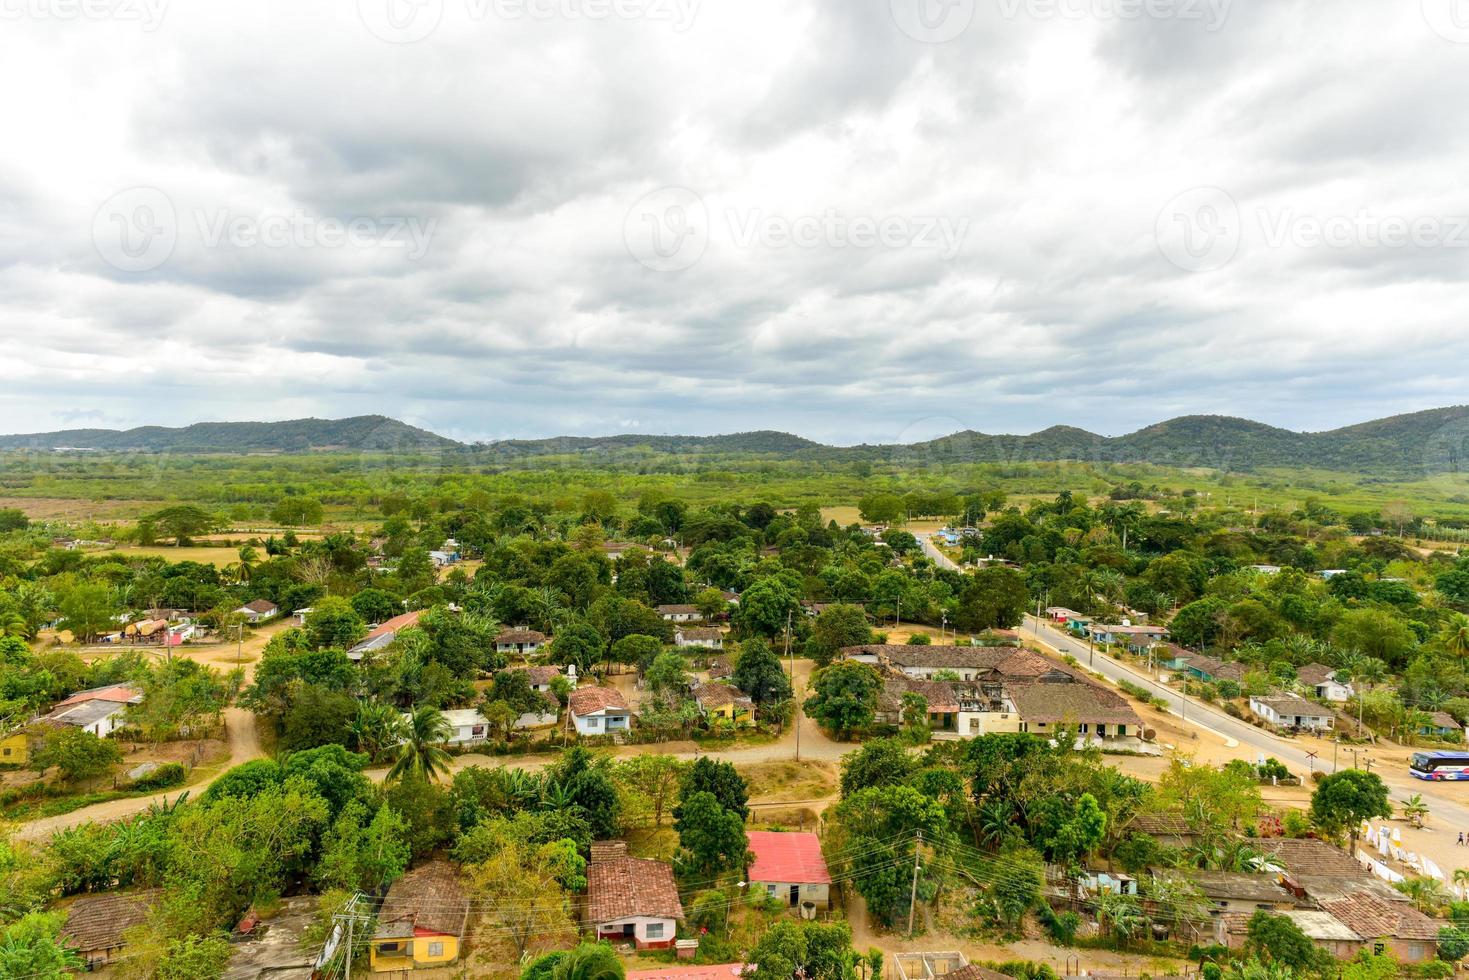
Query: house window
x,y
1415,951
655,930
594,722
436,949
387,947
7,750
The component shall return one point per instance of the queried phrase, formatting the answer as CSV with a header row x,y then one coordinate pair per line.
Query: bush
x,y
710,910
1062,926
166,775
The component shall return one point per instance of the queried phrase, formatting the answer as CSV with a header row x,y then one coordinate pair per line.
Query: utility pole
x,y
239,643
347,969
795,701
913,893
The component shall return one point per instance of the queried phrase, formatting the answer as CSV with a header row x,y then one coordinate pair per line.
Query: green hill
x,y
365,432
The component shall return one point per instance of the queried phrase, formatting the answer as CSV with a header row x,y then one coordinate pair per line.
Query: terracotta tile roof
x,y
720,668
1372,918
520,636
260,606
1313,674
589,700
1293,704
1308,856
619,887
538,675
790,859
1216,668
938,657
428,899
1078,701
1442,719
97,922
714,694
117,693
975,972
700,633
940,695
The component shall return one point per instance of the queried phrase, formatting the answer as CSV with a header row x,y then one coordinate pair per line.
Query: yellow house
x,y
723,701
15,749
421,923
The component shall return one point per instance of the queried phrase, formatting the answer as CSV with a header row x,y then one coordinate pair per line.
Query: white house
x,y
789,867
1291,711
695,636
1322,681
676,613
466,726
519,641
599,711
258,610
99,710
631,899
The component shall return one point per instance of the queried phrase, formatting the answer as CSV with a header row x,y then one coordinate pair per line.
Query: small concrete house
x,y
708,638
1443,725
789,867
681,613
519,641
1322,682
599,711
100,710
725,701
422,920
258,611
631,899
95,923
1291,711
1395,927
383,635
466,726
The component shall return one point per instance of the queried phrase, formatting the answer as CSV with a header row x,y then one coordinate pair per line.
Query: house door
x,y
629,930
795,894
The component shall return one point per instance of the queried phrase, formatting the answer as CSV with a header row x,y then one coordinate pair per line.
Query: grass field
x,y
218,557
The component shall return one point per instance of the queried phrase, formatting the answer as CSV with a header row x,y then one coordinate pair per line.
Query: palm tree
x,y
1455,637
1415,809
421,754
1461,879
589,961
376,727
1428,895
248,559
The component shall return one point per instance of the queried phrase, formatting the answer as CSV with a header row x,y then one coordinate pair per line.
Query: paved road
x,y
931,550
1449,801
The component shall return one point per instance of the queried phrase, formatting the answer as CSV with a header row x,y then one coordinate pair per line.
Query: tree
x,y
421,755
182,522
652,782
358,854
757,672
1080,835
577,643
32,947
517,882
1274,937
375,605
766,608
637,650
668,674
837,626
995,598
845,698
877,836
586,788
88,609
711,839
720,779
334,623
1344,799
589,961
76,754
1453,943
884,762
711,603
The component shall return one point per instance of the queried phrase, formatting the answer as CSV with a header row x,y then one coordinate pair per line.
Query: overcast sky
x,y
857,220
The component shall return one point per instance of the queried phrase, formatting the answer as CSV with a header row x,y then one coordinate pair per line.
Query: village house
x,y
725,702
1324,930
466,726
1212,669
1291,711
421,922
631,899
100,710
1321,681
539,679
1442,725
95,923
678,613
1061,615
789,867
925,662
599,711
1098,715
521,642
381,636
694,636
1395,927
1135,638
258,611
15,748
690,971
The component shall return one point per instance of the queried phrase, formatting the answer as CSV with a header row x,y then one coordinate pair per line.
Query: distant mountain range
x,y
1433,441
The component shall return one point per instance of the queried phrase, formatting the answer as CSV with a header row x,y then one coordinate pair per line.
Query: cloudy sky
x,y
858,220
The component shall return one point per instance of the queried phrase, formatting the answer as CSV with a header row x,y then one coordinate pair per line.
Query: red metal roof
x,y
395,624
790,859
